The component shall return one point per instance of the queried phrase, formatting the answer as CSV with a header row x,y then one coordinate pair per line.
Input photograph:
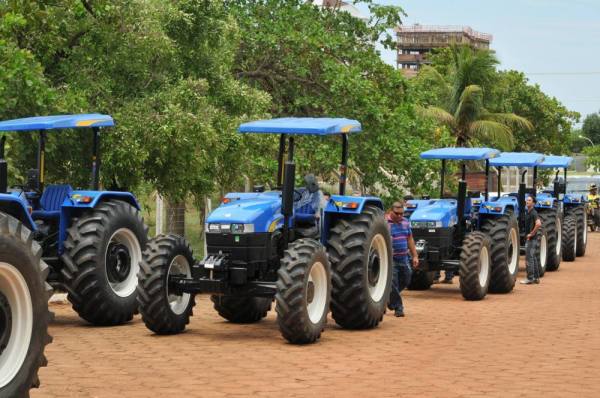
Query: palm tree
x,y
465,114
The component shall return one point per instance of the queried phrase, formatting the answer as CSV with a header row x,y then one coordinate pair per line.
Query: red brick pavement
x,y
537,341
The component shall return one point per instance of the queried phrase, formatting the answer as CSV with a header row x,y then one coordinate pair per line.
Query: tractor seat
x,y
304,212
50,202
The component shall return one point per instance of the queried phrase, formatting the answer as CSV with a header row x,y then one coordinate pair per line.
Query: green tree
x,y
464,112
552,122
323,62
591,127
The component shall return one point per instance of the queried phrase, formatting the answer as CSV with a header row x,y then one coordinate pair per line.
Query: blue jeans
x,y
400,279
533,262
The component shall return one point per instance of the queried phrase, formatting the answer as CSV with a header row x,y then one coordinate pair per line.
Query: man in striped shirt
x,y
402,244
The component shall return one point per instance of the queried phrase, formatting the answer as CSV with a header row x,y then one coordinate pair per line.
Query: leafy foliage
x,y
591,127
463,98
180,76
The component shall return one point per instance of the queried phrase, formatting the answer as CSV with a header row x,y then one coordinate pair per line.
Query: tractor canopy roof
x,y
518,159
555,162
460,153
57,122
302,126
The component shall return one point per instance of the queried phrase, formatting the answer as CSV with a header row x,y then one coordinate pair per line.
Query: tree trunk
x,y
176,217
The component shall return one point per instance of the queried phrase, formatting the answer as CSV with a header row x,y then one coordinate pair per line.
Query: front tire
x,y
360,250
164,312
303,291
475,266
504,235
102,257
569,238
24,314
241,309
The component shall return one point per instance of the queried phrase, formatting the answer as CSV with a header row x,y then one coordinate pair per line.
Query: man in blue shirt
x,y
402,243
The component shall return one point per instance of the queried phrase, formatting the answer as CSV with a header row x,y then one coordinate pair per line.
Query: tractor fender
x,y
17,208
91,199
341,206
351,204
81,201
545,201
501,206
573,200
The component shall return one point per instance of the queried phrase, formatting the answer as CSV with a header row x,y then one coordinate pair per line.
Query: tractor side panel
x,y
17,208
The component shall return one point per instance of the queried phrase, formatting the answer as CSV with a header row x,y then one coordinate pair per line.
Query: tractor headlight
x,y
547,203
214,227
242,228
230,228
426,224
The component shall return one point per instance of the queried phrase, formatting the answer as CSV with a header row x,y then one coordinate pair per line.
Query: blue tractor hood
x,y
258,209
441,211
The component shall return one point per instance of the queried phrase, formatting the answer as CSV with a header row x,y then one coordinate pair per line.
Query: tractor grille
x,y
251,251
439,242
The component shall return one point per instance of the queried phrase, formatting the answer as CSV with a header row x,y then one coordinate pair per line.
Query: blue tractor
x,y
266,245
460,234
574,231
549,209
91,240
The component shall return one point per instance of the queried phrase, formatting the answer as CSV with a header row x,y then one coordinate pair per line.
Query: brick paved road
x,y
538,341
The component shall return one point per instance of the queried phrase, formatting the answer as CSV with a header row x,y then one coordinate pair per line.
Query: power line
x,y
562,73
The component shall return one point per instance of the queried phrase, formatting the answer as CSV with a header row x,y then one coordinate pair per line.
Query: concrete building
x,y
416,41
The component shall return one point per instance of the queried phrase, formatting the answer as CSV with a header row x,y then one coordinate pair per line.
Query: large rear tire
x,y
24,314
421,280
242,309
552,223
542,251
102,258
164,312
569,239
360,250
504,235
303,291
581,219
475,266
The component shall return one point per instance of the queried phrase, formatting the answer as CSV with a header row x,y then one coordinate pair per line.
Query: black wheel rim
x,y
374,268
5,322
118,262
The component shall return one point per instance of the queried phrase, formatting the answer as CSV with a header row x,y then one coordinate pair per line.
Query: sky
x,y
556,43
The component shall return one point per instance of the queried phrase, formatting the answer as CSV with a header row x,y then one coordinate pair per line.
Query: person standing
x,y
532,227
594,205
402,244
